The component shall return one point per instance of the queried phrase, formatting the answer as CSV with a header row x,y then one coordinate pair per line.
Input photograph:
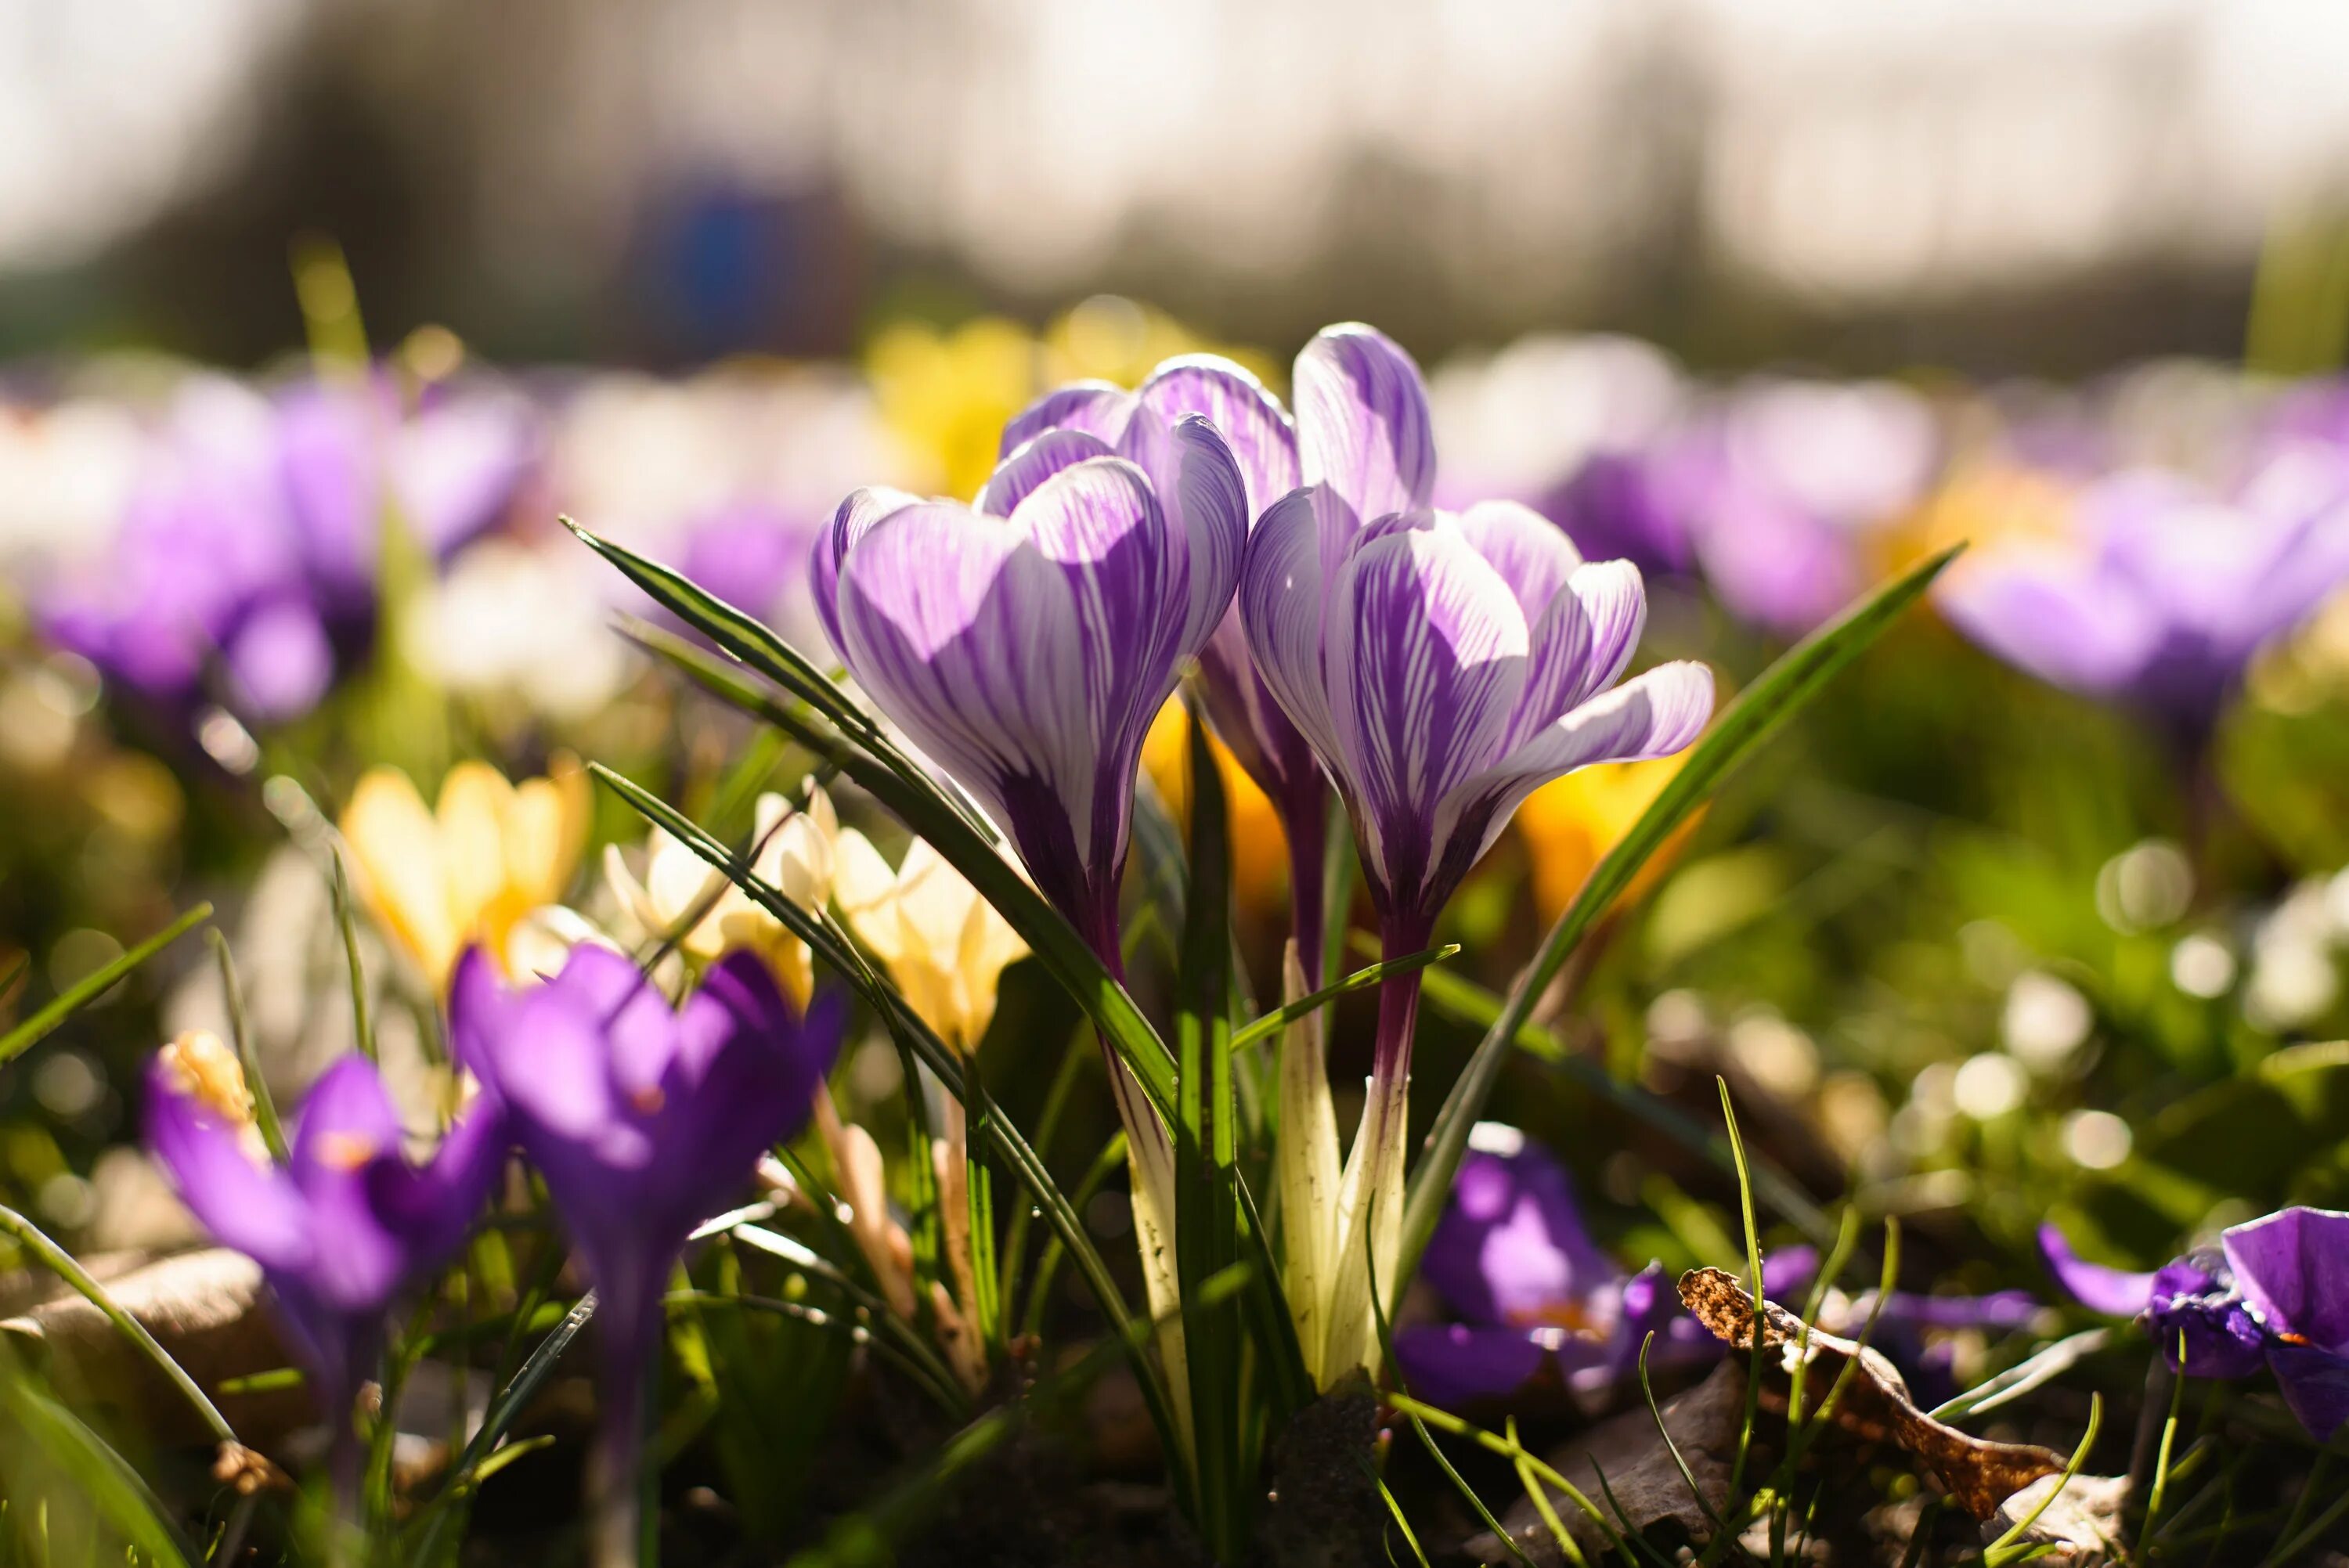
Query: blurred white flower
x,y
521,622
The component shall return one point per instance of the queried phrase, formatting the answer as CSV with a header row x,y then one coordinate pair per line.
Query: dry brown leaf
x,y
1646,1484
2082,1526
1875,1405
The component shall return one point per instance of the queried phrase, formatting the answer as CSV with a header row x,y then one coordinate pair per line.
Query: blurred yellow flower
x,y
1259,848
795,855
947,393
945,946
1987,505
206,1070
1570,823
469,869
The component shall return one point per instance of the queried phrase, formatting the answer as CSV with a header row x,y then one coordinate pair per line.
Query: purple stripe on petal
x,y
1096,407
2116,1292
1205,499
1035,462
1262,439
1615,601
1362,424
1532,554
1427,661
2292,1267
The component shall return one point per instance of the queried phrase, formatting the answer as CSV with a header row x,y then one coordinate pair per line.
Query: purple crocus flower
x,y
1512,1260
251,540
1263,442
343,1229
1443,667
2276,1293
1026,644
644,1121
2165,590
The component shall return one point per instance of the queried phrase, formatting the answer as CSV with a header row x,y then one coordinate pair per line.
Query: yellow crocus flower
x,y
945,946
1259,846
467,868
1570,823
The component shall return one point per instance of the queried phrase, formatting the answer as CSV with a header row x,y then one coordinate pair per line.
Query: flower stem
x,y
615,1465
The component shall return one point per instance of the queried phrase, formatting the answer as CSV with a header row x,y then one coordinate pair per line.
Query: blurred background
x,y
1992,185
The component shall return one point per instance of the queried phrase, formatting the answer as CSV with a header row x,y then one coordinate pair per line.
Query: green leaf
x,y
914,800
265,1105
108,1482
91,986
344,918
1206,1214
1782,689
1272,1023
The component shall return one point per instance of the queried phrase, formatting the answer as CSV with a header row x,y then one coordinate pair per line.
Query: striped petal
x,y
1533,554
1614,602
1362,423
1653,716
1096,407
1204,497
1427,662
1281,606
1015,478
853,520
1251,420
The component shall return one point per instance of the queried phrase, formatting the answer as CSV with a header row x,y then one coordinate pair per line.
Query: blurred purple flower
x,y
2165,590
254,538
344,1228
1263,442
754,556
1027,644
2274,1293
1512,1261
1782,485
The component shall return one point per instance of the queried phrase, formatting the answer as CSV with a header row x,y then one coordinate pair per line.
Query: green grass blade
x,y
91,986
1206,1214
265,1105
1759,710
113,1487
1272,1023
917,803
60,1262
346,919
2003,1550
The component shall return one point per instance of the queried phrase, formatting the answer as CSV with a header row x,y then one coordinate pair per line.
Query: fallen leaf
x,y
2081,1528
1875,1405
1640,1473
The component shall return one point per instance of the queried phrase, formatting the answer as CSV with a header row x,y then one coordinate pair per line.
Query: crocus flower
x,y
2164,591
644,1121
794,851
1247,719
1533,1295
1441,667
945,947
252,539
2274,1292
470,869
343,1229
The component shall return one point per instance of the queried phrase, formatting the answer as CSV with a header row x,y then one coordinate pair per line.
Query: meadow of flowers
x,y
1085,946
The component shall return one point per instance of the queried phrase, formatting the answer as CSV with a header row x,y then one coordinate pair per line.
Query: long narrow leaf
x,y
112,1485
1272,1023
1782,689
917,802
91,986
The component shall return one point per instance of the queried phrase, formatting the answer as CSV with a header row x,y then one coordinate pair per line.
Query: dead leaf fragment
x,y
1875,1405
2081,1527
1640,1473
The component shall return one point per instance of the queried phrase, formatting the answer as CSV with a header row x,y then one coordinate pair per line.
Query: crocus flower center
x,y
346,1151
204,1068
1573,1316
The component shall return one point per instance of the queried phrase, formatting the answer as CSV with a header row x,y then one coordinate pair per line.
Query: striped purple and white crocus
x,y
1263,441
1442,666
1025,643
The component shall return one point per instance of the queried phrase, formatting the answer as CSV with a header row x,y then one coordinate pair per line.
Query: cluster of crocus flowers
x,y
471,867
2161,590
1535,1301
2274,1292
644,1118
1441,667
341,1229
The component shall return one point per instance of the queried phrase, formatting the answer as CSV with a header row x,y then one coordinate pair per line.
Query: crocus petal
x,y
397,848
2054,620
2198,1320
1017,477
2315,1383
347,1122
1283,583
1251,420
1511,1247
1204,501
1457,1364
2292,1266
245,1204
1532,554
1615,600
854,519
1096,407
1428,658
433,1205
1362,423
1653,716
280,661
2116,1292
